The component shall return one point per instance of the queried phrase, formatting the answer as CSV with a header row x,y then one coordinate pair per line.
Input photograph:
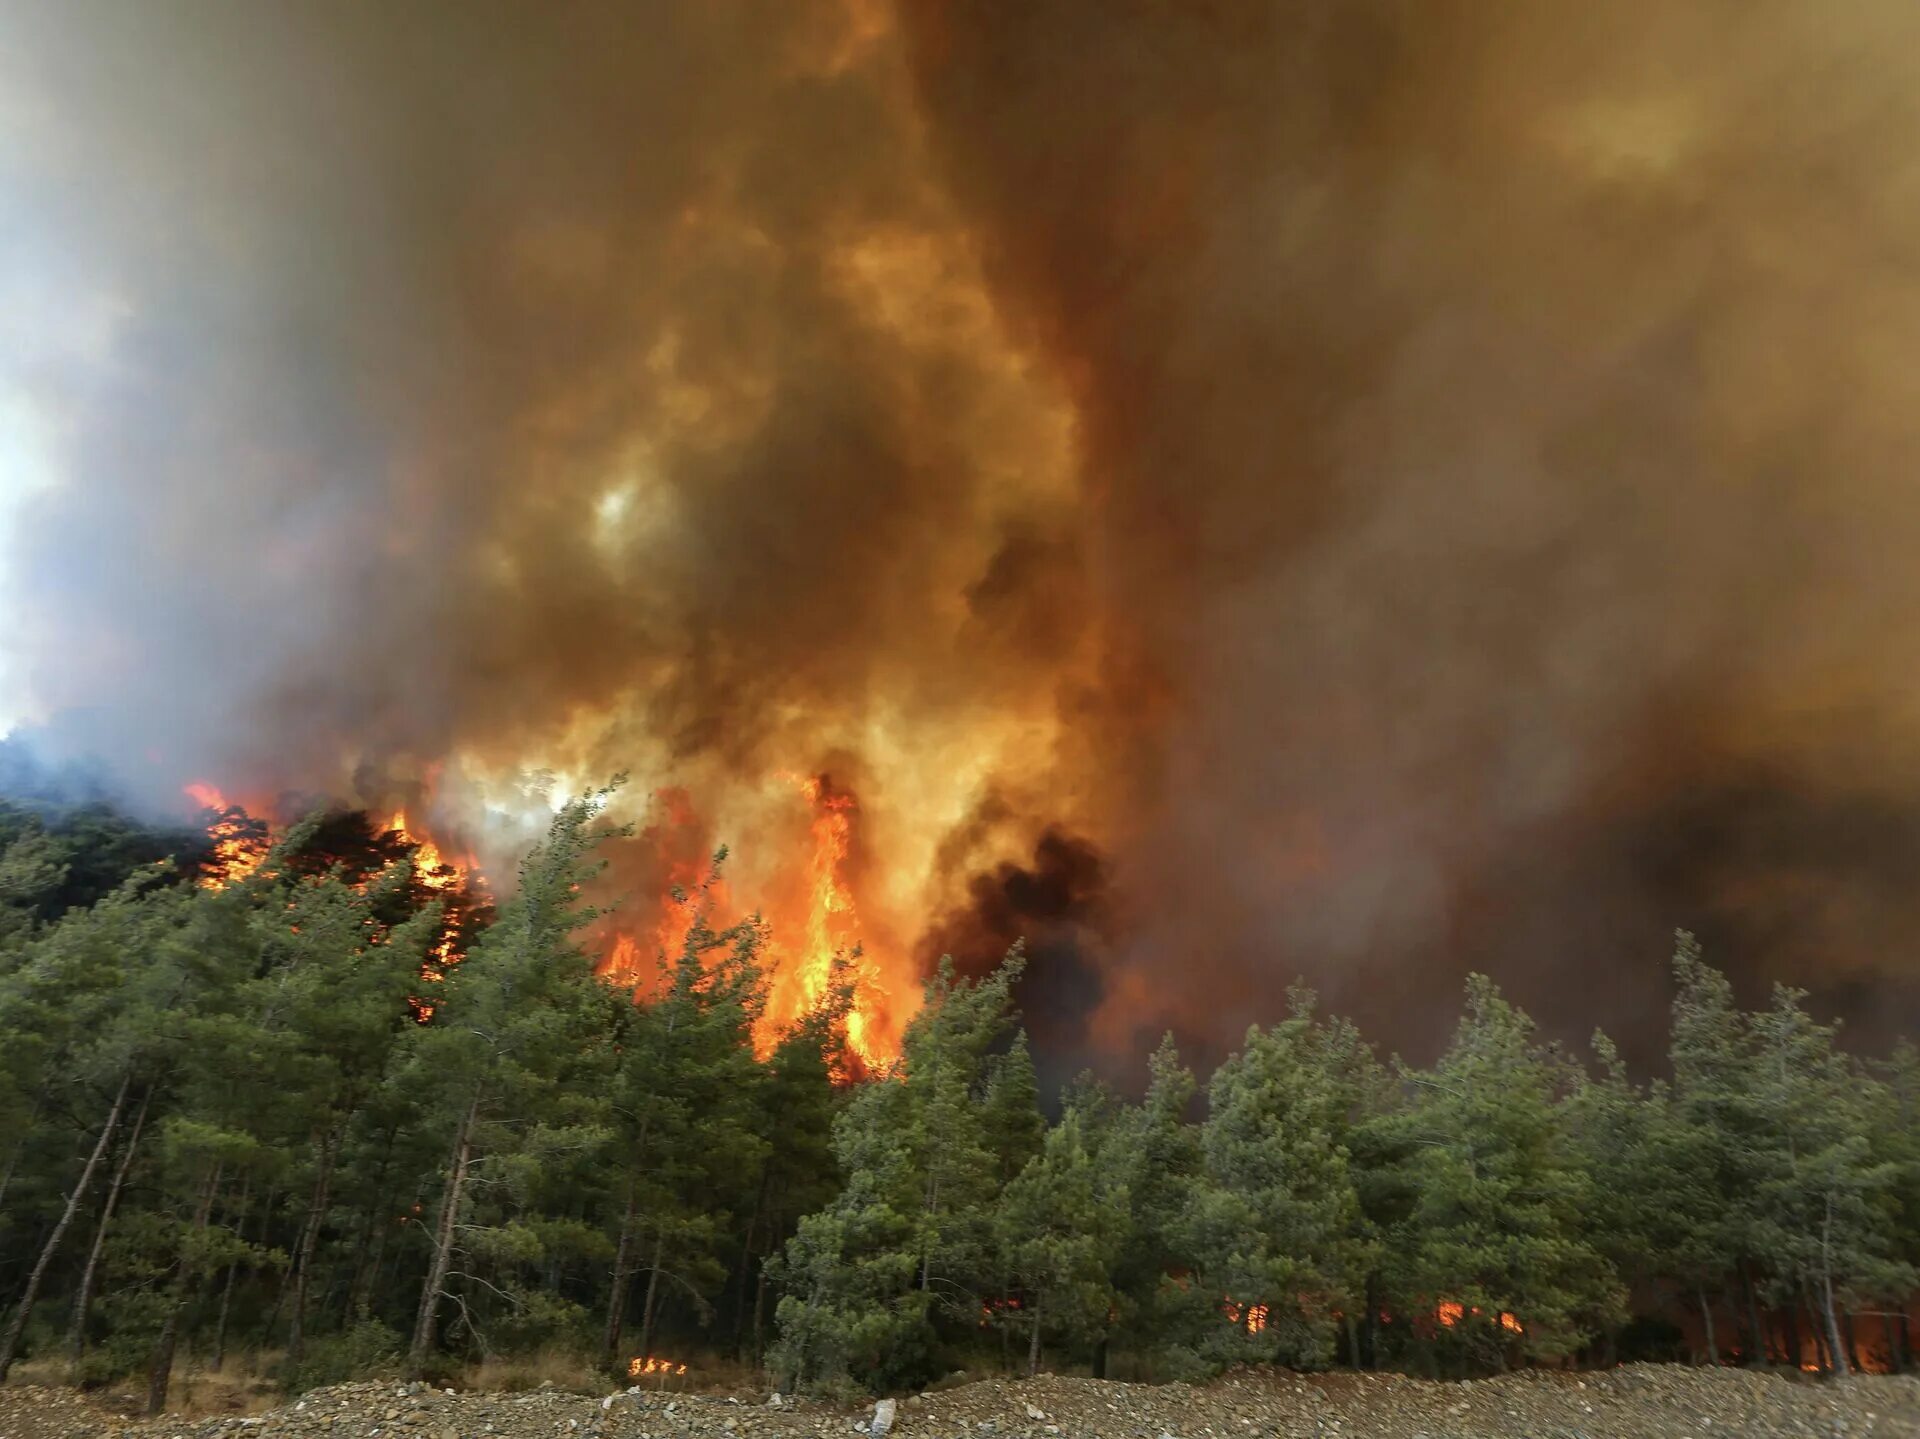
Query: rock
x,y
776,1400
1033,1413
882,1424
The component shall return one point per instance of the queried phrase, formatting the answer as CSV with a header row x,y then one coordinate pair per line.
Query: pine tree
x,y
1153,1152
1827,1213
1499,1246
687,1124
1276,1229
517,1019
910,1240
1060,1229
796,1101
1656,1210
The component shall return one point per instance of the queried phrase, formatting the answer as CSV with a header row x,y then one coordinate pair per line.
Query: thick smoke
x,y
1403,487
1056,906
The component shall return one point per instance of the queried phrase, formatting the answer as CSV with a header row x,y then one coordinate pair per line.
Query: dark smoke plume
x,y
1411,487
1057,907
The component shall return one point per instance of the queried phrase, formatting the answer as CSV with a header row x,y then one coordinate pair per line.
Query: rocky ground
x,y
1627,1403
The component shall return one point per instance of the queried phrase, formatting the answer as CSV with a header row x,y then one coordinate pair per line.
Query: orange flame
x,y
1251,1317
830,931
638,1366
439,876
814,925
1451,1313
240,845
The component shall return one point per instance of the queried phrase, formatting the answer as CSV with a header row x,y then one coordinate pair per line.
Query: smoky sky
x,y
1402,488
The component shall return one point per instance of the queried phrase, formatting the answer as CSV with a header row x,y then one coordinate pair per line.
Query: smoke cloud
x,y
1365,491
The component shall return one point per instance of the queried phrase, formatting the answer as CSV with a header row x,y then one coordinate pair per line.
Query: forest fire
x,y
804,975
1251,1317
817,937
240,842
447,880
640,1367
1451,1313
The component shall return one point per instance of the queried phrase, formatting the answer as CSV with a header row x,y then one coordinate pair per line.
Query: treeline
x,y
224,1125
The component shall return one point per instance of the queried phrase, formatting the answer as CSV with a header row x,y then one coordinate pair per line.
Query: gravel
x,y
1627,1403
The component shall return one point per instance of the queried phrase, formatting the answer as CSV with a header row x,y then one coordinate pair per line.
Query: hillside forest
x,y
269,1115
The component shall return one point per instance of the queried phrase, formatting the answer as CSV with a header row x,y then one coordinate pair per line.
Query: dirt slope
x,y
1628,1403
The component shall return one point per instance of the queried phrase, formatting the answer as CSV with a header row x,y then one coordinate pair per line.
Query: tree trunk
x,y
1706,1318
304,1251
1830,1323
1353,1341
10,1345
759,1314
13,1159
83,1301
218,1355
160,1376
444,1230
926,1250
622,1278
1370,1330
1033,1344
1756,1334
653,1290
1829,1316
746,1266
373,1237
1790,1322
1853,1342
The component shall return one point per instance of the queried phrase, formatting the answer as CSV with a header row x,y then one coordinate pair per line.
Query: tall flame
x,y
815,926
830,933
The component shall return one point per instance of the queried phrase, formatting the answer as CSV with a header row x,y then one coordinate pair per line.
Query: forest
x,y
272,1113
